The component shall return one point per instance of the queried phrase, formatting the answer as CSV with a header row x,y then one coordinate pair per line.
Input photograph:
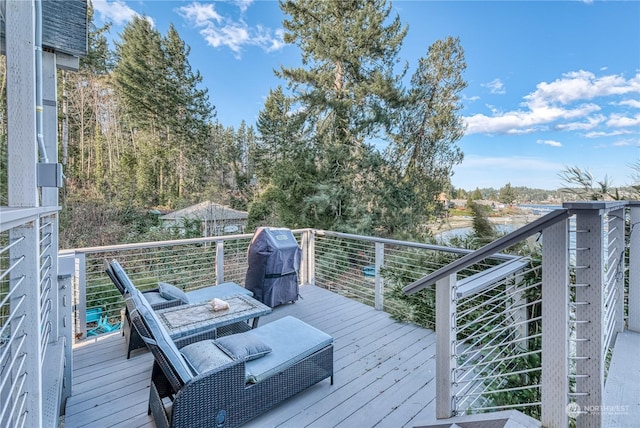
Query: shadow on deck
x,y
384,373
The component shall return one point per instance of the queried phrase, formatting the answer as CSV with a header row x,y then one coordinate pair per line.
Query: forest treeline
x,y
139,132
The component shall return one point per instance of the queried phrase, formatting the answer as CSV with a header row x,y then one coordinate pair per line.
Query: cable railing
x,y
498,346
539,340
500,351
28,313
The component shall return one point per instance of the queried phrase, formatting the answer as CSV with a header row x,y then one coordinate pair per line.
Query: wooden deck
x,y
384,373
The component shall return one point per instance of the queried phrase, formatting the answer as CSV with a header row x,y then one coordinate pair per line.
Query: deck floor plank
x,y
622,388
377,362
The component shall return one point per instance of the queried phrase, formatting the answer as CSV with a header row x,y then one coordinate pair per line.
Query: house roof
x,y
207,211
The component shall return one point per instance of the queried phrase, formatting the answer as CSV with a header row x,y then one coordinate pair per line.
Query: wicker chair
x,y
207,386
124,285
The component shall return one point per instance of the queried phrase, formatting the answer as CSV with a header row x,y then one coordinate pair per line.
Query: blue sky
x,y
551,84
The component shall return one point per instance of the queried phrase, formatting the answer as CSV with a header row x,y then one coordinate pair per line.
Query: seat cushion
x,y
154,298
291,340
171,292
204,356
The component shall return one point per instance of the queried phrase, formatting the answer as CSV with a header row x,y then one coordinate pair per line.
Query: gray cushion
x,y
171,292
163,340
220,291
291,341
204,356
154,297
243,346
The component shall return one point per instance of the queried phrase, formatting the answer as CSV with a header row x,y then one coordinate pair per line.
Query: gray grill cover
x,y
274,262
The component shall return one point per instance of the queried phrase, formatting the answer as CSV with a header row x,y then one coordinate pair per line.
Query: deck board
x,y
383,373
622,389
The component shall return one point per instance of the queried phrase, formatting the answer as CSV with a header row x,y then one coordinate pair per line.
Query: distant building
x,y
215,219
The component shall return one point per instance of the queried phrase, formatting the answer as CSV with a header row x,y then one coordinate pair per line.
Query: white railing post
x,y
589,316
304,261
616,257
81,294
555,318
312,258
379,281
219,262
633,322
445,345
22,157
66,267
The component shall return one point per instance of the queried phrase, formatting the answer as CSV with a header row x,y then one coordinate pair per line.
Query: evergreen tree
x,y
188,116
507,194
347,90
87,115
285,165
430,125
167,115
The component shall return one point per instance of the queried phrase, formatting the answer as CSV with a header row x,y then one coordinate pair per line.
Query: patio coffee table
x,y
187,320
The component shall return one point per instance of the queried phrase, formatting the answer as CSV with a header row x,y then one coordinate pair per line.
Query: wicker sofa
x,y
159,300
201,382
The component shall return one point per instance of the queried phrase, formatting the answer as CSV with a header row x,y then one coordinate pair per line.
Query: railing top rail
x,y
597,205
150,244
16,216
138,245
498,245
406,243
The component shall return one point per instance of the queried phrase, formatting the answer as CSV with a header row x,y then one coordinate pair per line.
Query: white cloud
x,y
630,103
525,121
551,143
620,121
624,143
552,104
495,86
591,123
243,4
199,15
581,85
220,30
116,11
600,134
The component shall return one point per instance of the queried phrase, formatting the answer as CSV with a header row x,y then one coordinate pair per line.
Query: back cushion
x,y
162,338
122,276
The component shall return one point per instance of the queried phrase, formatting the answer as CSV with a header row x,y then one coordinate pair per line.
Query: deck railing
x,y
539,342
497,317
347,264
34,320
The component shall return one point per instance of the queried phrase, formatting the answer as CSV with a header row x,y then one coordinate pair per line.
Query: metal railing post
x,y
304,262
66,267
312,258
589,316
617,268
445,345
219,262
379,281
633,322
555,319
81,294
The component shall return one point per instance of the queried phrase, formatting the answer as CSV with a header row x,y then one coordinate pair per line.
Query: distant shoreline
x,y
460,222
